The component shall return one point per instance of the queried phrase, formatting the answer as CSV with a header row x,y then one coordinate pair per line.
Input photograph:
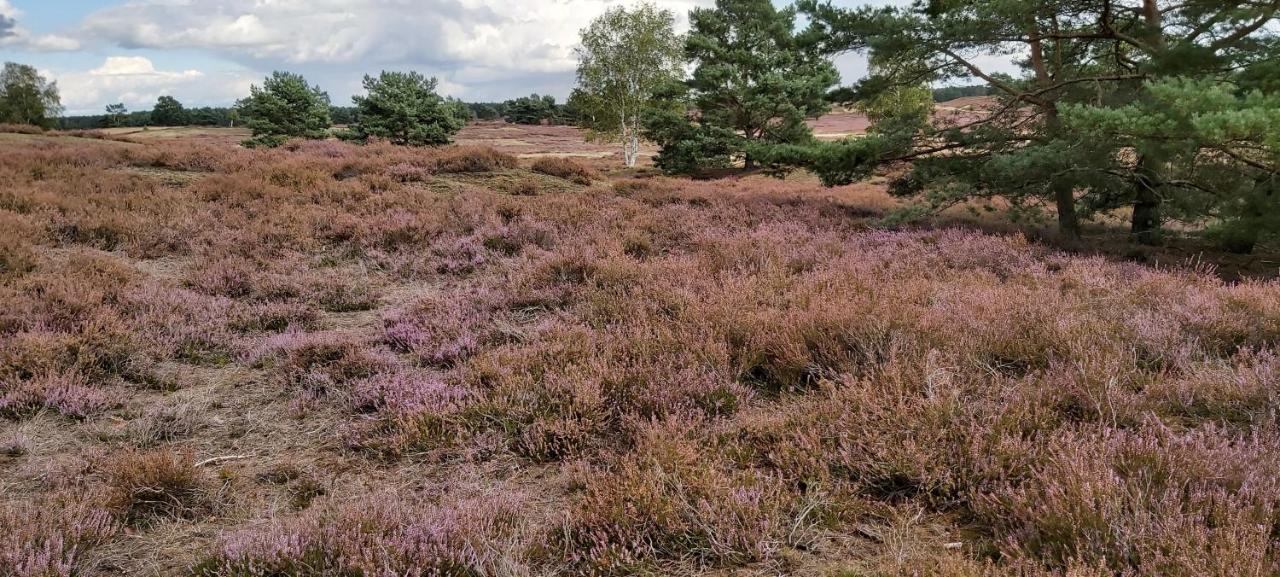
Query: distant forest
x,y
511,110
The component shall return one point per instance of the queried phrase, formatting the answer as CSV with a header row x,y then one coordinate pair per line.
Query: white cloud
x,y
137,83
524,36
16,37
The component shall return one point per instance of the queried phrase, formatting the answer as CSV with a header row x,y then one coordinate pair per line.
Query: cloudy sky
x,y
208,52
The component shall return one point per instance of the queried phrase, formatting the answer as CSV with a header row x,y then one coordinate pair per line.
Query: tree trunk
x,y
1145,227
1064,193
1064,196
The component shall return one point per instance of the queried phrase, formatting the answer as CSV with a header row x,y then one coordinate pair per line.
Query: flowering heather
x,y
47,538
381,536
506,376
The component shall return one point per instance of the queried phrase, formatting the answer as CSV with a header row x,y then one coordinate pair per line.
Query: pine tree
x,y
1072,130
755,82
285,106
405,109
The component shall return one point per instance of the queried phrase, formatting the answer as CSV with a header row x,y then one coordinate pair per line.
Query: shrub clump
x,y
48,538
159,484
463,159
382,536
565,168
668,500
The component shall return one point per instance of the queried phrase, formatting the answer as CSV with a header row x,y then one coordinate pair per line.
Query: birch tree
x,y
626,55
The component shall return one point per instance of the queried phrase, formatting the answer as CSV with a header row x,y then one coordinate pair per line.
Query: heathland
x,y
513,356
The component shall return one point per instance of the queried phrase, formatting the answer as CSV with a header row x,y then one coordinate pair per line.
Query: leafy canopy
x,y
169,112
532,109
26,97
625,58
1087,125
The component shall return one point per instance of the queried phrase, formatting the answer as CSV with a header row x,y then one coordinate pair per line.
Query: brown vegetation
x,y
330,359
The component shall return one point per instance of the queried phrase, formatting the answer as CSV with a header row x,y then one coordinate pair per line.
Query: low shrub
x,y
69,394
458,159
670,501
21,129
565,168
321,363
160,484
50,536
382,535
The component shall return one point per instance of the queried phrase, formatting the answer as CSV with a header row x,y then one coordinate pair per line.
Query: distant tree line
x,y
532,109
945,93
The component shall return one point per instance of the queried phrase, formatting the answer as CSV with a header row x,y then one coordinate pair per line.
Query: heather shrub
x,y
336,295
445,329
68,394
21,128
565,168
406,409
456,159
723,376
16,258
321,363
275,317
1145,502
48,537
382,535
154,485
669,501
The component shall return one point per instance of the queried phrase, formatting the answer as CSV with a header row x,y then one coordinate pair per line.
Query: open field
x,y
337,360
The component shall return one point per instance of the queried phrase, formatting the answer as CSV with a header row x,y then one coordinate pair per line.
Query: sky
x,y
208,52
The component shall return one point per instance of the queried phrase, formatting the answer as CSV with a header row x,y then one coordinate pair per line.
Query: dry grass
x,y
330,359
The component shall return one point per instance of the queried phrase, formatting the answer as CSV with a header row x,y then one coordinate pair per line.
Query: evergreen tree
x,y
116,115
284,107
755,82
1068,131
403,107
532,109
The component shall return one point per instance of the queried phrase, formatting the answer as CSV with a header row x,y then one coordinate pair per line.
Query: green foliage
x,y
1158,108
755,81
26,97
626,56
169,112
486,110
116,115
945,93
1221,147
459,110
285,107
532,109
404,108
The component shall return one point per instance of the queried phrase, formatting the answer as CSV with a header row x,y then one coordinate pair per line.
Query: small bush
x,y
321,363
458,159
160,484
21,129
668,501
48,537
382,535
565,168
